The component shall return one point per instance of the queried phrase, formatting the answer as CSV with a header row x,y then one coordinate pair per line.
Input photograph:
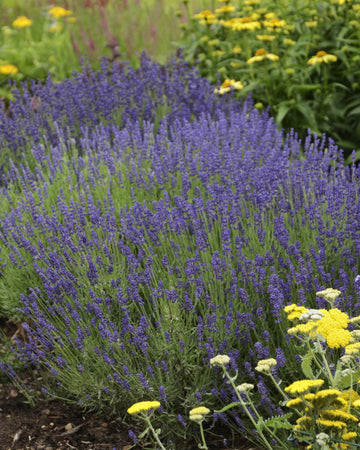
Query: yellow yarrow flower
x,y
22,22
143,407
58,11
261,55
352,349
303,386
200,410
8,69
294,311
336,424
349,436
337,414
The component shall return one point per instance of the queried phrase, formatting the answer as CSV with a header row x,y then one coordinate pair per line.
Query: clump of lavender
x,y
139,252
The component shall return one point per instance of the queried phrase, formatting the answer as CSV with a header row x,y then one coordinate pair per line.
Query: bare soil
x,y
55,425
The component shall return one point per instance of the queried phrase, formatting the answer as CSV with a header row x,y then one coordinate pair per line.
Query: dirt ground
x,y
56,425
53,425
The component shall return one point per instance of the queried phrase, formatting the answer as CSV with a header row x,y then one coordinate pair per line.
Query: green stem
x,y
254,422
278,387
203,446
147,419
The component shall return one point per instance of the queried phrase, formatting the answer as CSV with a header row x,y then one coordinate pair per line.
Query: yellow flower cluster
x,y
261,55
8,69
137,408
227,85
22,22
300,387
58,11
330,325
322,57
198,414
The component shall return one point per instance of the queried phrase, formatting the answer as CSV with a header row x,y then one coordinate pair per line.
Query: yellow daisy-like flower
x,y
58,11
143,407
274,23
303,386
265,37
225,9
226,87
244,23
237,49
8,69
261,55
204,14
22,22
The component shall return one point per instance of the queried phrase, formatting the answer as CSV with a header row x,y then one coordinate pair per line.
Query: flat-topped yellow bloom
x,y
137,408
22,22
322,57
261,55
303,386
335,424
201,410
8,69
58,11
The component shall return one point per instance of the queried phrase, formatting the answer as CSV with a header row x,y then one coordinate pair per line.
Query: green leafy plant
x,y
301,59
326,418
31,49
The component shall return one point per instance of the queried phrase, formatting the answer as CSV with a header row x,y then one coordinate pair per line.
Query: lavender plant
x,y
140,250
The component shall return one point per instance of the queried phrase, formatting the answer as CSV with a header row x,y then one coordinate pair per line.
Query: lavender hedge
x,y
140,251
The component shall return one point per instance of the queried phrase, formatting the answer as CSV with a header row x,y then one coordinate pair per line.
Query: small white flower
x,y
245,387
220,360
329,294
322,438
312,314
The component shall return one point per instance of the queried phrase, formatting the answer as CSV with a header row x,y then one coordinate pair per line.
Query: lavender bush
x,y
142,245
